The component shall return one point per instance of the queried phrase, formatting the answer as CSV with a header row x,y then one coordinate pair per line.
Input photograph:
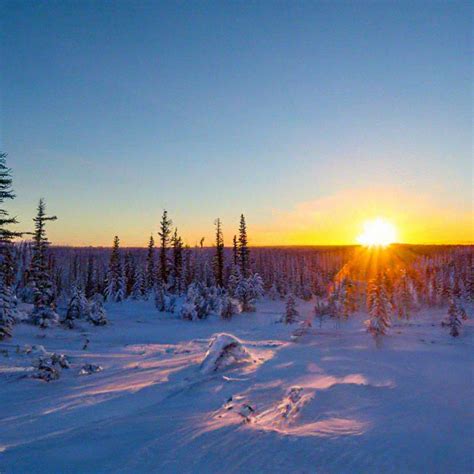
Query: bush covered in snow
x,y
224,350
48,367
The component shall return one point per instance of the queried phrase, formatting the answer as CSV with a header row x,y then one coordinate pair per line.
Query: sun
x,y
378,232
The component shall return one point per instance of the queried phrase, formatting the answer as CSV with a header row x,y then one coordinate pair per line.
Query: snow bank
x,y
224,350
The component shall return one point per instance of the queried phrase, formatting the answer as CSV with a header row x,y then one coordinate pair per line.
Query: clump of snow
x,y
61,360
36,349
88,369
49,367
281,416
292,404
305,328
46,370
224,350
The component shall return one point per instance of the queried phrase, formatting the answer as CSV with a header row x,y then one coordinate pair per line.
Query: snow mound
x,y
224,350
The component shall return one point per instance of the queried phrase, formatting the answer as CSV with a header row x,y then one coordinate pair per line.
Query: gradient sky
x,y
308,117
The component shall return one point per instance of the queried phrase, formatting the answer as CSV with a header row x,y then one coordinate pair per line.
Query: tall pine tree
x,y
235,251
177,271
90,286
219,257
244,253
164,233
7,270
43,314
150,266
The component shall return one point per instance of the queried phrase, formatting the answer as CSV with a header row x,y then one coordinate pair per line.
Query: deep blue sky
x,y
114,110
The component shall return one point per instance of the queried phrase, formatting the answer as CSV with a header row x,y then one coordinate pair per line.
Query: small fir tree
x,y
97,315
74,309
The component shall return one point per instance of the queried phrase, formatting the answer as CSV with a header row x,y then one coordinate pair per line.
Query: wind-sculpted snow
x,y
294,414
330,401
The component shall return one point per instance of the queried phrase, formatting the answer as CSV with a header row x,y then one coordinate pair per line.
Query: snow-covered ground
x,y
328,401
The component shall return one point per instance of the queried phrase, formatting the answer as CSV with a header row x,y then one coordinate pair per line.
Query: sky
x,y
308,117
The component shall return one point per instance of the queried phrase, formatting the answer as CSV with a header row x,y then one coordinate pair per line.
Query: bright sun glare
x,y
378,232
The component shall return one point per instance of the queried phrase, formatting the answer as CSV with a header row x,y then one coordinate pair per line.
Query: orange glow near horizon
x,y
334,219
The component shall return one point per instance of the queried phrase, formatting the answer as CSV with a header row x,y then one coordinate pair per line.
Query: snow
x,y
330,400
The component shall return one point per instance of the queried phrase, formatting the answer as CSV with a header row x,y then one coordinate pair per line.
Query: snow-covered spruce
x,y
6,311
291,313
165,302
7,262
224,350
453,321
378,306
44,313
248,291
115,288
196,305
78,308
229,307
201,301
323,308
97,314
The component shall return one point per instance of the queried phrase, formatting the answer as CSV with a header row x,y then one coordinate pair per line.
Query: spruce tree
x,y
291,313
7,270
219,257
74,309
138,289
6,192
114,273
177,270
453,320
97,315
121,294
90,285
403,296
43,314
164,233
244,254
129,270
235,251
150,266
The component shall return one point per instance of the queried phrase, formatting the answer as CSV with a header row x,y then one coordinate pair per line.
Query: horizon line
x,y
447,244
